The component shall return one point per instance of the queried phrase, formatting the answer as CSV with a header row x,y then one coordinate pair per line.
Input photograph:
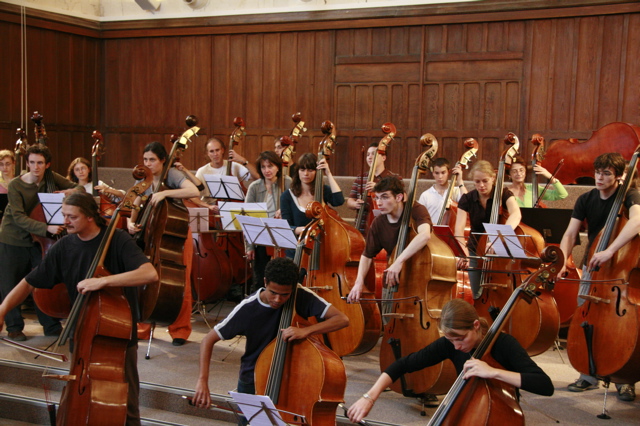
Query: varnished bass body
x,y
425,285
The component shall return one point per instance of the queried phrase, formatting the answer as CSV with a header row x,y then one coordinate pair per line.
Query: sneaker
x,y
626,393
580,385
17,336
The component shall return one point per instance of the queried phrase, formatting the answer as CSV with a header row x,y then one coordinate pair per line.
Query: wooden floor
x,y
178,367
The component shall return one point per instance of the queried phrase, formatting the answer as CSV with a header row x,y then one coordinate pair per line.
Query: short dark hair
x,y
158,149
390,183
39,149
282,271
87,205
610,159
441,162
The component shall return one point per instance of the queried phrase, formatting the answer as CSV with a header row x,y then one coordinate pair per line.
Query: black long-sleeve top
x,y
506,351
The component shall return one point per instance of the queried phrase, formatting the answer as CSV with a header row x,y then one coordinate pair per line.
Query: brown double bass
x,y
565,293
478,401
96,390
365,213
579,155
107,206
535,325
604,335
303,378
165,228
413,306
332,266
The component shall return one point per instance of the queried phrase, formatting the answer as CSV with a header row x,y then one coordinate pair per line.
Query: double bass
x,y
53,302
96,390
332,266
365,213
564,293
164,231
448,215
232,242
107,207
302,377
413,306
579,155
603,338
478,401
535,325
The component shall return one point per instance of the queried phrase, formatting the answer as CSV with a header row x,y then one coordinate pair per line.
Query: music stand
x,y
504,241
267,232
260,410
551,223
52,207
198,219
225,187
230,210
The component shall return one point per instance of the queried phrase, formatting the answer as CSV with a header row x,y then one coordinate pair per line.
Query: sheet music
x,y
230,210
282,233
515,249
258,409
267,231
225,187
52,205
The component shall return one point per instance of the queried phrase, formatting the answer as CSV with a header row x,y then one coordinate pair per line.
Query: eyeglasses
x,y
604,173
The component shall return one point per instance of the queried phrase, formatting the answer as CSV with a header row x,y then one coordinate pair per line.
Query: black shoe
x,y
580,385
429,400
626,393
179,342
57,332
16,336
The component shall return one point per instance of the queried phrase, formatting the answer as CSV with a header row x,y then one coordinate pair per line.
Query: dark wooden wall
x,y
561,76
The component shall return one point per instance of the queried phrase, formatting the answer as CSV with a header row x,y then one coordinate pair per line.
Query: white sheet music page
x,y
510,238
52,206
225,187
259,408
281,232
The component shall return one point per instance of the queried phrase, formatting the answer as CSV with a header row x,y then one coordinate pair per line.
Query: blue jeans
x,y
249,388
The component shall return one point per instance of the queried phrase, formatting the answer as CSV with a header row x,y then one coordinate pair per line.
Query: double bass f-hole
x,y
616,289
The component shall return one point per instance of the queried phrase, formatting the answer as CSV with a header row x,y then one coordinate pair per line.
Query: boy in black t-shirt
x,y
594,207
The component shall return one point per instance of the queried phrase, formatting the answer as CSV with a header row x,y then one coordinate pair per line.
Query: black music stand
x,y
52,207
551,223
224,187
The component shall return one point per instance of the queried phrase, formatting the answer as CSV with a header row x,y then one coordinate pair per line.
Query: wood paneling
x,y
450,75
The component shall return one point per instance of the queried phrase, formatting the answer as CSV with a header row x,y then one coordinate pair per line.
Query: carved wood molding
x,y
438,14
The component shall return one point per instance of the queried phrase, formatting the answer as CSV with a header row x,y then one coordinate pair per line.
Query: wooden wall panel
x,y
562,77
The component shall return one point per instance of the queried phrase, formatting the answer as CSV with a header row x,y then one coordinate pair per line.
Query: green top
x,y
17,226
555,192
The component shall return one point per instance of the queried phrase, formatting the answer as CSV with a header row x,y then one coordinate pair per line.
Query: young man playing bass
x,y
594,207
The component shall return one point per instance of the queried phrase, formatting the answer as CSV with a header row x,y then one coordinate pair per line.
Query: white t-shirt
x,y
433,201
237,170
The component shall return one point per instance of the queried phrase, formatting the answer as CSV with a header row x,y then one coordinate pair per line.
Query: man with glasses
x,y
594,207
384,231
